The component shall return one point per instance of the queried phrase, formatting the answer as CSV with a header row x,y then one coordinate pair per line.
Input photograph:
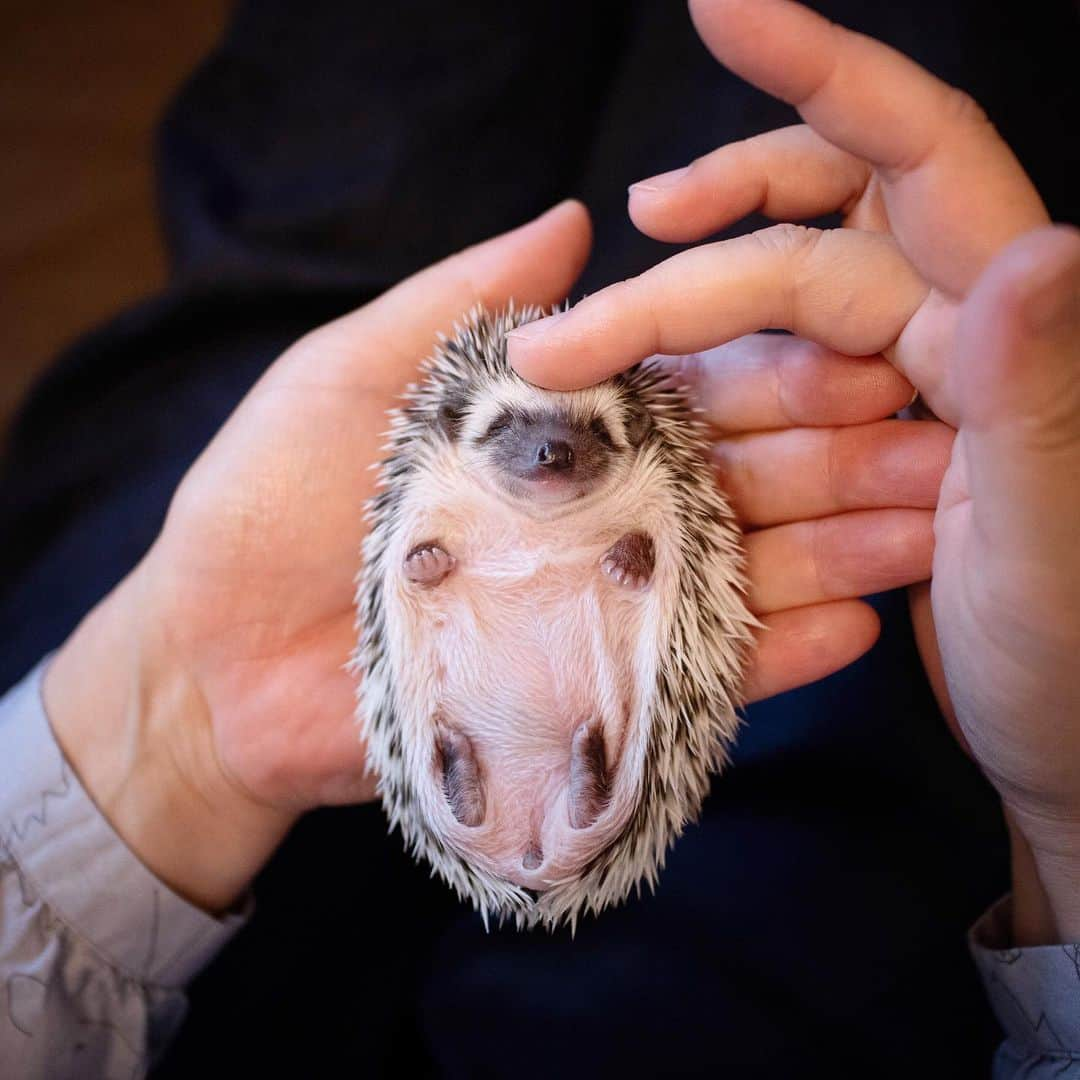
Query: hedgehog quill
x,y
552,628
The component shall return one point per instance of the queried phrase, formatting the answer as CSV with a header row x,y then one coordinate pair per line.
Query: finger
x,y
765,381
801,646
791,174
839,557
960,194
850,290
823,471
381,343
1015,374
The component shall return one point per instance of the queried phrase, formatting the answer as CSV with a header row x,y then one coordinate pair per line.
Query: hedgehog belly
x,y
526,662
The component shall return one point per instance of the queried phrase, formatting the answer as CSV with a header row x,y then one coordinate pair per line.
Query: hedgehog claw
x,y
428,564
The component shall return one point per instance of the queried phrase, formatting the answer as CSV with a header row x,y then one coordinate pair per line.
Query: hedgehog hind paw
x,y
590,782
462,782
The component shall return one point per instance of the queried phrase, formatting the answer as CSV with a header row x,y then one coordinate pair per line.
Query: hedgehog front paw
x,y
630,560
428,564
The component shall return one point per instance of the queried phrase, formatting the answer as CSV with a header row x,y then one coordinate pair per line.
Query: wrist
x,y
138,733
1046,883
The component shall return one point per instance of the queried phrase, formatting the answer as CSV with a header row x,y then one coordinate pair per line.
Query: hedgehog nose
x,y
555,455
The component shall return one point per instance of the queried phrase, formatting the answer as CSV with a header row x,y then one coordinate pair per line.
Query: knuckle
x,y
793,247
795,385
839,480
460,269
960,108
788,239
823,547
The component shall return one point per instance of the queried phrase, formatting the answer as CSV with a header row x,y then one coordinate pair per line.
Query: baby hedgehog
x,y
553,628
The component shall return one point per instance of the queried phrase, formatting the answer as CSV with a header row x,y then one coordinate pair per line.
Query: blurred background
x,y
81,86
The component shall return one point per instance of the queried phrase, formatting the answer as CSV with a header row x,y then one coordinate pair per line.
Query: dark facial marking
x,y
590,785
638,424
461,775
451,413
600,430
548,447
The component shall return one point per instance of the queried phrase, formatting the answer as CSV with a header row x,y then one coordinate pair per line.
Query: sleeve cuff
x,y
69,853
1034,992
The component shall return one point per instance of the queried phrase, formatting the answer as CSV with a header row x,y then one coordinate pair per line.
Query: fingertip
x,y
688,204
531,354
660,213
566,229
535,263
719,23
571,215
865,628
641,202
651,202
802,645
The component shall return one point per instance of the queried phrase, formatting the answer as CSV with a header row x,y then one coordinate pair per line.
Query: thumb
x,y
536,263
1015,375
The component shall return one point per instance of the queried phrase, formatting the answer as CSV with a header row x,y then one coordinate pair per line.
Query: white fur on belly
x,y
526,640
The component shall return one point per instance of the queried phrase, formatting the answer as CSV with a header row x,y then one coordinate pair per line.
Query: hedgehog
x,y
552,628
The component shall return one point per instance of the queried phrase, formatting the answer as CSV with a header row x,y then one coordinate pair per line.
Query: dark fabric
x,y
813,922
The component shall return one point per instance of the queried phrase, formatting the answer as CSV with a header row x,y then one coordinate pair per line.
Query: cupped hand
x,y
253,575
946,266
205,703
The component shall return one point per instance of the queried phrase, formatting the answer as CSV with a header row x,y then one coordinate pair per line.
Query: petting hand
x,y
928,270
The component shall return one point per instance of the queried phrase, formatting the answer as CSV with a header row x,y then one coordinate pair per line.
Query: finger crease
x,y
808,98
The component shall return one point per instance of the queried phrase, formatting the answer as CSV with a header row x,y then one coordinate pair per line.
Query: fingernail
x,y
659,183
537,328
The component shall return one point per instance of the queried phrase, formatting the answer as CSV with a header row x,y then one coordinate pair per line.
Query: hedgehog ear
x,y
637,423
451,413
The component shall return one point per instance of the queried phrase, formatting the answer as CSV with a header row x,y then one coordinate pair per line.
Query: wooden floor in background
x,y
82,83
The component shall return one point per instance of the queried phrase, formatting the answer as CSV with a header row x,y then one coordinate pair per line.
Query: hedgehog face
x,y
547,452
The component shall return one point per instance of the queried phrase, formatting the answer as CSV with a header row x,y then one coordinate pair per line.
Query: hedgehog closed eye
x,y
553,632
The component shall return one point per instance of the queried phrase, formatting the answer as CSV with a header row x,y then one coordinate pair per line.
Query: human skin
x,y
204,702
945,265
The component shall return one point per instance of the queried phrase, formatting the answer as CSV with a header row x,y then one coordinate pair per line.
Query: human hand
x,y
205,703
930,195
999,626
